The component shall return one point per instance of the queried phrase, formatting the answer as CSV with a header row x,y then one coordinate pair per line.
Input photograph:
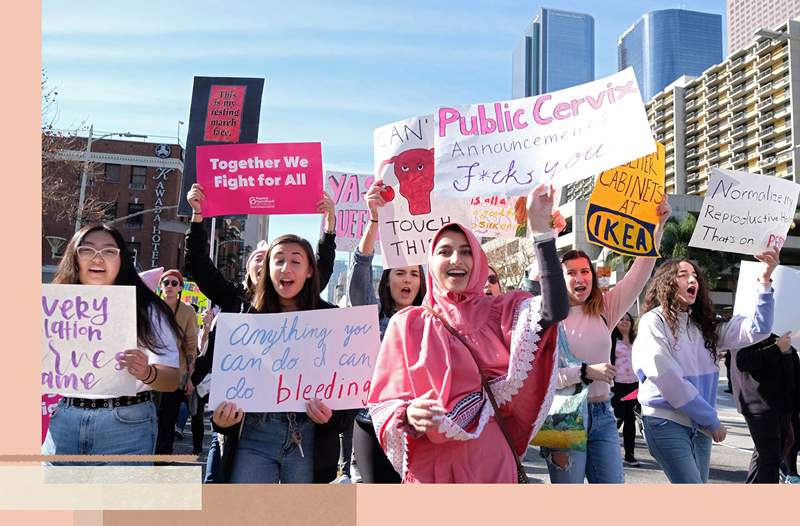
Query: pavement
x,y
729,460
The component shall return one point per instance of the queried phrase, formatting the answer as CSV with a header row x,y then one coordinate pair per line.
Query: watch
x,y
585,379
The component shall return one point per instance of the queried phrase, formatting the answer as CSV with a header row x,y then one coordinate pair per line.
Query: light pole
x,y
179,132
85,174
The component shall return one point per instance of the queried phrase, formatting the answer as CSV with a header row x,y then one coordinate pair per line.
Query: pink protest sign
x,y
284,178
49,402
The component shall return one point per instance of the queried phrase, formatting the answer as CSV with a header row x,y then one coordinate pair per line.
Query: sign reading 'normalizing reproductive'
x,y
744,212
277,362
506,148
283,178
621,213
352,215
84,328
404,162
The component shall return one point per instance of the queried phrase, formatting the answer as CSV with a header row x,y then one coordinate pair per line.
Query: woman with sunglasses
x,y
492,286
399,288
171,288
125,425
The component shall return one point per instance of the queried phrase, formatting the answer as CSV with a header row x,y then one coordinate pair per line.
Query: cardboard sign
x,y
352,215
281,178
498,216
191,295
84,328
415,210
786,283
507,147
223,110
744,212
621,213
277,362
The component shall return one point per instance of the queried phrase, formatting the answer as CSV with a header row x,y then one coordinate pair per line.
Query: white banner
x,y
786,282
271,363
415,208
507,147
84,328
745,212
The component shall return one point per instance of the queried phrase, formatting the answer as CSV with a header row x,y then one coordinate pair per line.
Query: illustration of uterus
x,y
414,170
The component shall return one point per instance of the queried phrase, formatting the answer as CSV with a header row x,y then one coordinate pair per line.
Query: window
x,y
138,177
112,172
135,221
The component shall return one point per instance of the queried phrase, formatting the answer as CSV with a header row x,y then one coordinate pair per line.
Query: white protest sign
x,y
352,215
498,216
84,328
415,209
786,282
270,363
506,148
744,212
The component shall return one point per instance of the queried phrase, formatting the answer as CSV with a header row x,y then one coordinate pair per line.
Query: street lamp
x,y
85,174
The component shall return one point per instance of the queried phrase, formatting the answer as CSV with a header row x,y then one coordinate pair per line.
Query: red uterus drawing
x,y
414,170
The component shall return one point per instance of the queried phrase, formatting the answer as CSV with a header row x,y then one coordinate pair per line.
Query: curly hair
x,y
663,292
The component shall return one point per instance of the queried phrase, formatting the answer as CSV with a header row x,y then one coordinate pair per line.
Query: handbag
x,y
522,477
565,424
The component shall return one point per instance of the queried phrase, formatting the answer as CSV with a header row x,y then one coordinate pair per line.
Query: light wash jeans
x,y
127,430
601,463
266,453
684,453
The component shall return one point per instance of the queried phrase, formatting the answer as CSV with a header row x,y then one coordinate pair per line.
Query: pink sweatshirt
x,y
589,337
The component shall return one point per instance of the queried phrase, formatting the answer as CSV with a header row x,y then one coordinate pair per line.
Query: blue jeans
x,y
214,462
684,453
601,463
266,453
128,430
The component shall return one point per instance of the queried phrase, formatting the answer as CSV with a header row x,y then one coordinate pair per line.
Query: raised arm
x,y
326,247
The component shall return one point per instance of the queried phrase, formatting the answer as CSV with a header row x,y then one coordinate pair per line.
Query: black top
x,y
765,380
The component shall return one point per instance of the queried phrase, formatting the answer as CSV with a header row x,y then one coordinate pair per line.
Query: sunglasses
x,y
89,253
492,279
170,283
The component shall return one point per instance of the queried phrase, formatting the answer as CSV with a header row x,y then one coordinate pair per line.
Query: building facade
x,y
556,52
745,17
667,44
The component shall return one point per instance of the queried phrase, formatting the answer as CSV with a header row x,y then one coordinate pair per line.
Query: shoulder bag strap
x,y
497,416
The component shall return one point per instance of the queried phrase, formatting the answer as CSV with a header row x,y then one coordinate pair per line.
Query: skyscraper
x,y
664,45
745,17
556,52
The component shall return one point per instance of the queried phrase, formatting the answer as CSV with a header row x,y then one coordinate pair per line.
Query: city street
x,y
729,460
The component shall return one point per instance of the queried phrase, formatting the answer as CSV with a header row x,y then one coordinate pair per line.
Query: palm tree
x,y
675,244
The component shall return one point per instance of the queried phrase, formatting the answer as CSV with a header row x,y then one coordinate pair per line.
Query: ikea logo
x,y
620,232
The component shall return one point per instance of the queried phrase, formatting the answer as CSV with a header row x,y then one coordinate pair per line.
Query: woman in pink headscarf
x,y
430,412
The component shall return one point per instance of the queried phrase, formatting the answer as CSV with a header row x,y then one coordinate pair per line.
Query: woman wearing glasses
x,y
125,425
171,288
492,287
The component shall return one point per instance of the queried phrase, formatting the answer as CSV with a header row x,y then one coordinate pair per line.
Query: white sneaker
x,y
355,475
342,479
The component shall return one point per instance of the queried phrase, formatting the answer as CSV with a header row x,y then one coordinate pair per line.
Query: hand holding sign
x,y
375,198
663,211
135,361
326,207
540,209
318,412
227,415
769,259
195,198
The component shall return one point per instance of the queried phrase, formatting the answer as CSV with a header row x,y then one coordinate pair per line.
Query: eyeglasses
x,y
89,253
492,279
170,283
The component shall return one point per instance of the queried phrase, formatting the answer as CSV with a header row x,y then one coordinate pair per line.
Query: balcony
x,y
691,165
768,161
780,83
764,73
692,152
738,145
738,118
741,102
739,130
739,157
766,133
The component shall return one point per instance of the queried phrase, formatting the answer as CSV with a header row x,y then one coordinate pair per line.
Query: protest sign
x,y
498,216
284,178
84,328
414,211
506,148
278,362
352,215
744,212
49,402
191,295
621,213
223,110
786,283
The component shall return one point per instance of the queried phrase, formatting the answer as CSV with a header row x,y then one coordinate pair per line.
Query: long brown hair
x,y
69,273
266,298
594,304
663,291
387,304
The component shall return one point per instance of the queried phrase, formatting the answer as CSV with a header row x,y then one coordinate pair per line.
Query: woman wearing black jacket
x,y
238,297
767,392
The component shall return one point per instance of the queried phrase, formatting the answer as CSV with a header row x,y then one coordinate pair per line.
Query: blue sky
x,y
334,70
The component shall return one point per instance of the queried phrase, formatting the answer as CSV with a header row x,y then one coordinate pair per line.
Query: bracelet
x,y
153,371
585,379
544,236
373,220
149,373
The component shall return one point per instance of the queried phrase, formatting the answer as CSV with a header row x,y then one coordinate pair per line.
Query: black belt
x,y
106,403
